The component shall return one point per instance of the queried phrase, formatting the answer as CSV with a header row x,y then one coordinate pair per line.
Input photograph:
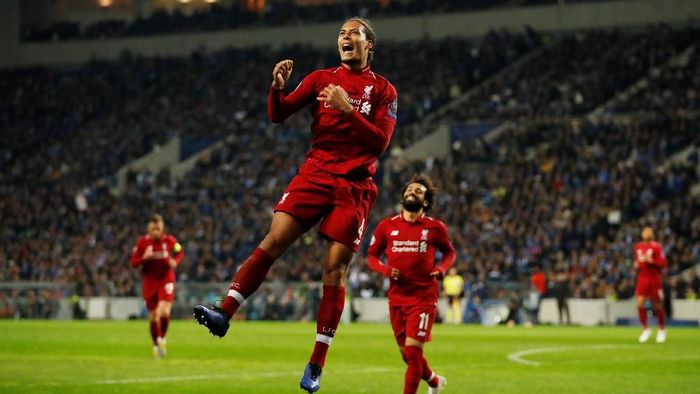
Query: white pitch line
x,y
518,357
161,379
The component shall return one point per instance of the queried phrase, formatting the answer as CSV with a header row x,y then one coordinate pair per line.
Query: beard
x,y
413,205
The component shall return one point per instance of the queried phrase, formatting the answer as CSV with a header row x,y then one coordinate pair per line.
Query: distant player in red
x,y
409,241
354,113
158,254
650,261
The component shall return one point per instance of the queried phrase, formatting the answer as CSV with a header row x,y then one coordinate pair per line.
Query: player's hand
x,y
436,274
336,98
394,274
148,253
172,263
281,73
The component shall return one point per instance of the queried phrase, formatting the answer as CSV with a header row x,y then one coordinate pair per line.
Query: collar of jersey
x,y
419,219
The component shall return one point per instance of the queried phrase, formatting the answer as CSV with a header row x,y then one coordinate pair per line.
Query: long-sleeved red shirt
x,y
157,268
410,247
343,143
650,260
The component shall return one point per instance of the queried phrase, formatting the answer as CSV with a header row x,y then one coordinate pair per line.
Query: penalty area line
x,y
166,379
519,357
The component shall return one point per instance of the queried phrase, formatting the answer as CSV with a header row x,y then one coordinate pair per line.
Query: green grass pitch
x,y
100,357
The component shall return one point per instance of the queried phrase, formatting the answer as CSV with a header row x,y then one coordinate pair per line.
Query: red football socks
x,y
164,323
329,312
247,280
414,356
643,316
427,374
155,331
661,317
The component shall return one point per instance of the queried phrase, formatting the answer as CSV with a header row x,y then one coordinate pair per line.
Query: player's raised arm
x,y
279,106
444,244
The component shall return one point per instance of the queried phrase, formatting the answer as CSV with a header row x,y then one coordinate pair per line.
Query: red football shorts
x,y
412,321
341,205
154,291
650,288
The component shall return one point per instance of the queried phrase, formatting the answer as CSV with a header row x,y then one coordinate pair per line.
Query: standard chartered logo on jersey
x,y
409,246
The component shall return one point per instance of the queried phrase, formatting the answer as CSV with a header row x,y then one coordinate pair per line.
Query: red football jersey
x,y
342,144
157,268
410,247
650,260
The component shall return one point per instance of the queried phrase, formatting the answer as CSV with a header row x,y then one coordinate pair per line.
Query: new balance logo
x,y
422,333
394,233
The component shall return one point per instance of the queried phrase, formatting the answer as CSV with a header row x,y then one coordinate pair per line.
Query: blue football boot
x,y
214,319
311,381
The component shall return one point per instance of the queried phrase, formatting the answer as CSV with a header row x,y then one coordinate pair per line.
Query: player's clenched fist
x,y
336,98
281,73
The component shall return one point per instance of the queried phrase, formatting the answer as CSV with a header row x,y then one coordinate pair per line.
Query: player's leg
x,y
330,309
163,314
418,326
642,311
153,321
285,229
658,304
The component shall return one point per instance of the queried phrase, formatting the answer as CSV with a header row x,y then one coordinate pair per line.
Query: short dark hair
x,y
156,218
369,33
430,192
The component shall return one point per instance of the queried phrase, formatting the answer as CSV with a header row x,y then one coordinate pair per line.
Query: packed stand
x,y
274,13
672,88
569,197
576,74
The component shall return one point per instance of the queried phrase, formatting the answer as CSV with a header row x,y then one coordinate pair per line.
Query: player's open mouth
x,y
347,48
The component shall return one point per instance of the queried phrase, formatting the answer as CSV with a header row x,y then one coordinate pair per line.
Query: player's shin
x,y
414,355
247,280
164,323
642,311
155,331
661,317
329,312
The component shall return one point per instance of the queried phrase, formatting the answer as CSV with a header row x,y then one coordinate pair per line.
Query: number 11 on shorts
x,y
423,323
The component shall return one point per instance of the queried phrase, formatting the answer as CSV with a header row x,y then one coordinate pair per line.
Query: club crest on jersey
x,y
368,92
424,234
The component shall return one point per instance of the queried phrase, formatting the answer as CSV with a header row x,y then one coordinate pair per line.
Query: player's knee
x,y
274,244
334,276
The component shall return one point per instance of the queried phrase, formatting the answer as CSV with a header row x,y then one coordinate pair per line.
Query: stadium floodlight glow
x,y
210,1
105,3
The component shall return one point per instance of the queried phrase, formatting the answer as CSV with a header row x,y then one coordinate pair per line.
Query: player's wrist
x,y
277,86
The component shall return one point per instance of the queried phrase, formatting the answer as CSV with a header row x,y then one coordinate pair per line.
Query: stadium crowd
x,y
577,74
566,195
274,13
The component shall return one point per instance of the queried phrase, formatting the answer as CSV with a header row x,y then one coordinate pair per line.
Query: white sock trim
x,y
324,338
236,296
432,376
